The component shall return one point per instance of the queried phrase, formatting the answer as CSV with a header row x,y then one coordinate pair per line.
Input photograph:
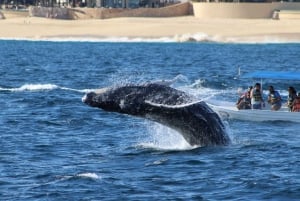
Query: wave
x,y
42,87
31,87
196,37
87,175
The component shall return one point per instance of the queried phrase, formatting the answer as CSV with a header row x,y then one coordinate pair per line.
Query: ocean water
x,y
54,147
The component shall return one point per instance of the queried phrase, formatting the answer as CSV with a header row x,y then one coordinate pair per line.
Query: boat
x,y
229,110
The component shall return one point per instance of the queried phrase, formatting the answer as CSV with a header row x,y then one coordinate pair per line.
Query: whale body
x,y
194,120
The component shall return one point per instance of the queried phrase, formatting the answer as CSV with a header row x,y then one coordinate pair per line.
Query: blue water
x,y
53,147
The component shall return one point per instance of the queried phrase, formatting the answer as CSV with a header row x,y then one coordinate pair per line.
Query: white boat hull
x,y
231,112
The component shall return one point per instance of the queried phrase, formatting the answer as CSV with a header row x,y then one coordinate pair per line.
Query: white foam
x,y
261,40
163,138
32,87
89,175
195,37
43,87
78,90
157,162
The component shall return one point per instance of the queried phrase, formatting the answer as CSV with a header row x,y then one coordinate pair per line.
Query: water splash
x,y
199,91
163,138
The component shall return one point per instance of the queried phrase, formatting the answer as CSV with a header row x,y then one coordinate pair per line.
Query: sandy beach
x,y
180,28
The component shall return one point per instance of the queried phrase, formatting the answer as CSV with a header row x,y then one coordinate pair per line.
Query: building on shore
x,y
8,4
127,3
15,4
104,9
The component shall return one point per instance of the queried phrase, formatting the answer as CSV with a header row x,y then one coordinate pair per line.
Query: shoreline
x,y
198,37
180,29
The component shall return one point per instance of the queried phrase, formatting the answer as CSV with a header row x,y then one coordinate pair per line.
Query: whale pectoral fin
x,y
185,118
196,122
183,111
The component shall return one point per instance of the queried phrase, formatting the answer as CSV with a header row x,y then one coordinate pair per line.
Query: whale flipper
x,y
193,121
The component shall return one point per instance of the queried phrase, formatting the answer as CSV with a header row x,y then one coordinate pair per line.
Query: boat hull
x,y
227,112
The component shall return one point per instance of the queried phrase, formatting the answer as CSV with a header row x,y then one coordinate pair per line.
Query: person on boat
x,y
274,99
296,104
244,101
256,96
291,97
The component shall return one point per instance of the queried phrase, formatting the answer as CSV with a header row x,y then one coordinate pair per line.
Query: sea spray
x,y
163,138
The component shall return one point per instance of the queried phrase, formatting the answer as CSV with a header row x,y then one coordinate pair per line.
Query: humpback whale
x,y
193,119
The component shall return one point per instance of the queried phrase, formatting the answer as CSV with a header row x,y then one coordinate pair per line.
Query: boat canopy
x,y
282,75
